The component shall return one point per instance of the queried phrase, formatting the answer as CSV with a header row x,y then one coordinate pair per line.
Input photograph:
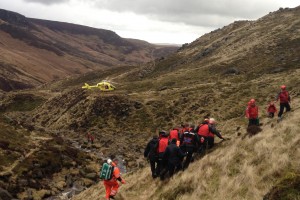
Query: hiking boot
x,y
279,119
154,176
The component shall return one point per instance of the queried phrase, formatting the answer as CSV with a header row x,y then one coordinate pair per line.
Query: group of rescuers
x,y
173,151
166,151
283,97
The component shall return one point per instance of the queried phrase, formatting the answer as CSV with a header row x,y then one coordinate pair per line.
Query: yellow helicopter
x,y
103,86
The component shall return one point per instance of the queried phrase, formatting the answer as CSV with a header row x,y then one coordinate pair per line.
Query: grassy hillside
x,y
216,75
241,168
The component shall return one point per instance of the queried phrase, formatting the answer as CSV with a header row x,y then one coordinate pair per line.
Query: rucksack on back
x,y
106,172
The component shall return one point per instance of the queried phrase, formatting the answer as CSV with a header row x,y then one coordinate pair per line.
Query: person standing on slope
x,y
152,154
189,143
112,185
271,109
206,132
173,157
212,132
252,113
174,134
162,145
285,100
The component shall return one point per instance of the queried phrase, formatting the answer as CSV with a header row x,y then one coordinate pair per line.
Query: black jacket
x,y
189,140
151,149
213,130
173,154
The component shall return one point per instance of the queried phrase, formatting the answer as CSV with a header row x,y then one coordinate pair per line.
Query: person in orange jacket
x,y
206,133
271,109
175,134
161,148
252,113
112,185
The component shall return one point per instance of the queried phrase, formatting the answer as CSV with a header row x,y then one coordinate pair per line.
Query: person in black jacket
x,y
189,143
151,153
173,157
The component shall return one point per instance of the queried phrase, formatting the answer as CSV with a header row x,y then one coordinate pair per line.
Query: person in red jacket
x,y
285,100
252,113
161,148
174,134
271,109
112,185
206,132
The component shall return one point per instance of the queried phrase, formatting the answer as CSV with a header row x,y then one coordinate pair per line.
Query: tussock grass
x,y
241,169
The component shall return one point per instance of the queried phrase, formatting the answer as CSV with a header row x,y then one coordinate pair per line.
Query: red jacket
x,y
252,112
162,145
284,97
174,134
272,108
203,130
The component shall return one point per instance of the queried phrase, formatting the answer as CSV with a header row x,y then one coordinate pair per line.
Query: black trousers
x,y
189,155
253,122
210,142
171,168
161,166
154,167
203,145
282,106
271,115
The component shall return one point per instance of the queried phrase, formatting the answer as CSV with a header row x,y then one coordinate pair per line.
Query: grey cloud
x,y
192,12
47,2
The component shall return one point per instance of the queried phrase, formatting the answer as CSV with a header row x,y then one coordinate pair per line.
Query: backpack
x,y
106,171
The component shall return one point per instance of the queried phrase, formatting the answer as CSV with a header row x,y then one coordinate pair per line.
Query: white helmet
x,y
212,121
109,161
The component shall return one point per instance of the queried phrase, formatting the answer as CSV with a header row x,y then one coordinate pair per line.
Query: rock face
x,y
14,18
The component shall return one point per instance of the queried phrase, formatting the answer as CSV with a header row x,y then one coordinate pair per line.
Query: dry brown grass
x,y
240,169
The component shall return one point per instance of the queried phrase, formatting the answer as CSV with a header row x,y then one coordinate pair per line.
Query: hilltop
x,y
35,51
215,75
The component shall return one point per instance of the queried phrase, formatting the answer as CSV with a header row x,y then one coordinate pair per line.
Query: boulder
x,y
277,70
232,70
92,176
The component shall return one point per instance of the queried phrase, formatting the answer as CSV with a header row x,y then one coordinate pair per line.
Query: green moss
x,y
177,192
24,102
288,188
8,159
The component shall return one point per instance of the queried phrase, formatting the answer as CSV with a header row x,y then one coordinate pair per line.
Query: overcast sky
x,y
156,21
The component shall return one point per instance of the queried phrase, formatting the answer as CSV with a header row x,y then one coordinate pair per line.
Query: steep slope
x,y
242,168
36,51
267,45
